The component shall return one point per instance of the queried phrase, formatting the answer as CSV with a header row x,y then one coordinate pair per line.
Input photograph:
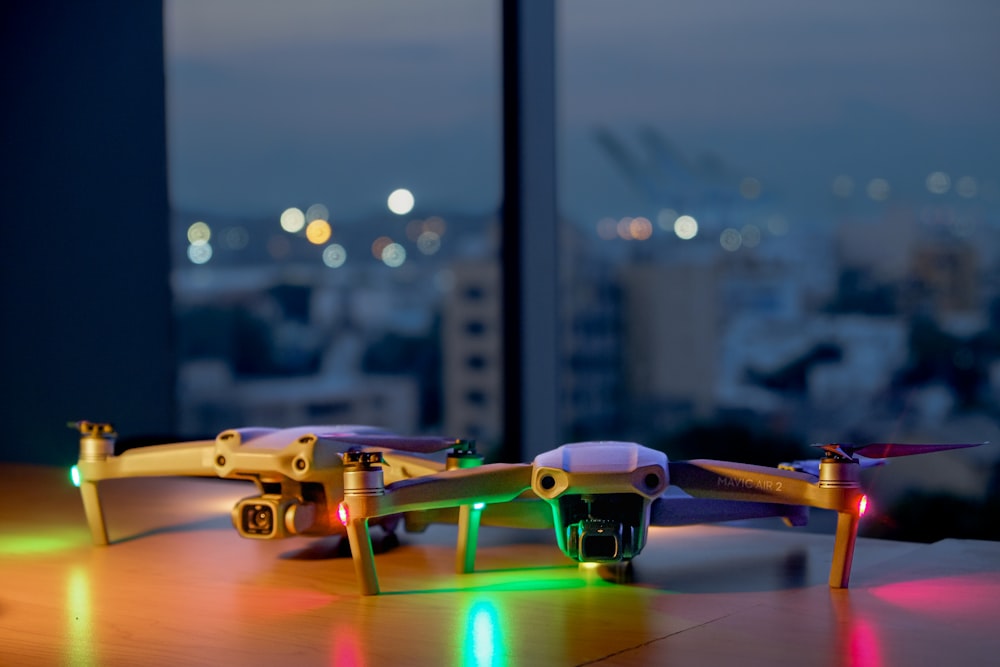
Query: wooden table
x,y
180,587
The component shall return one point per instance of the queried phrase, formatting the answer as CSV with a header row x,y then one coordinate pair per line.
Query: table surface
x,y
179,586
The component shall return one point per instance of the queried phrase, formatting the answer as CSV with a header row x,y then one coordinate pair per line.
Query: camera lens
x,y
258,519
599,547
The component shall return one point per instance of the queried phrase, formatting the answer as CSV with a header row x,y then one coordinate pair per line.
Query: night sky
x,y
272,105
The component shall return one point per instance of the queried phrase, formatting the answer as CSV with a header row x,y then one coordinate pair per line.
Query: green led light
x,y
74,475
478,506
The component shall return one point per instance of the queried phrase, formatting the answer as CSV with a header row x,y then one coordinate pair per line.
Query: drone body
x,y
600,497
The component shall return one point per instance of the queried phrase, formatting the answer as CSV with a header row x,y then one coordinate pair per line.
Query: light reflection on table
x,y
180,587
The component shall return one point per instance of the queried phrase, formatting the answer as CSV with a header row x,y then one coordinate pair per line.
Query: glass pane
x,y
785,223
334,170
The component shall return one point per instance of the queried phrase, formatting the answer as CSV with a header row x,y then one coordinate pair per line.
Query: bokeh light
x,y
666,219
401,201
293,220
394,255
429,243
378,245
624,228
878,189
777,225
938,183
686,227
750,235
640,229
607,228
199,253
318,232
967,187
198,233
317,212
334,255
731,239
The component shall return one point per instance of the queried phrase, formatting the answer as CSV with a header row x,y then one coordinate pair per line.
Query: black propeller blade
x,y
884,450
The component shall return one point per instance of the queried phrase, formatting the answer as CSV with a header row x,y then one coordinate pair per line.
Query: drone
x,y
600,497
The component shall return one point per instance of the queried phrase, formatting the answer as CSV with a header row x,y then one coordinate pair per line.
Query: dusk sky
x,y
274,105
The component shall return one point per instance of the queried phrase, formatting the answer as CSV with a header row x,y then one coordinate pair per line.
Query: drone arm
x,y
725,480
680,511
192,459
492,483
742,482
189,458
496,482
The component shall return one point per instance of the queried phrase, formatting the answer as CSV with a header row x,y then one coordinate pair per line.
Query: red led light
x,y
342,513
862,505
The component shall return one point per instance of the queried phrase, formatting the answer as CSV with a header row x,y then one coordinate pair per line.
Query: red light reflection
x,y
863,644
971,595
857,636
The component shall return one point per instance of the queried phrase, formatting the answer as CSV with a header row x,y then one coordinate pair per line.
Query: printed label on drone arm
x,y
766,485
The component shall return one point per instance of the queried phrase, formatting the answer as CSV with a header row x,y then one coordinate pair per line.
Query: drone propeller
x,y
416,444
811,466
884,450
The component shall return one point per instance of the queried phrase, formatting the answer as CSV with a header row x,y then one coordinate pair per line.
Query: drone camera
x,y
273,516
597,541
602,528
257,519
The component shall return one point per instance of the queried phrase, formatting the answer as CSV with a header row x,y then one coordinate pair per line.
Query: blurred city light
x,y
429,243
317,212
666,219
293,220
878,189
967,187
318,232
380,244
640,229
199,253
686,227
199,233
938,183
394,255
401,201
731,239
334,255
750,235
607,228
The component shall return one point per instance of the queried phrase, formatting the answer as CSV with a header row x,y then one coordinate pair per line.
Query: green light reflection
x,y
74,476
33,544
483,642
79,623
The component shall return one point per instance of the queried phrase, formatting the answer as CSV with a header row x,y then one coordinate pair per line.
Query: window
x,y
795,206
330,166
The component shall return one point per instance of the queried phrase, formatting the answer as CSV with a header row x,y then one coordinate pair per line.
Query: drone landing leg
x,y
95,513
843,549
364,557
468,536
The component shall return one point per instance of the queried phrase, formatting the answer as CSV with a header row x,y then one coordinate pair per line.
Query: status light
x,y
478,506
74,475
342,513
862,505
